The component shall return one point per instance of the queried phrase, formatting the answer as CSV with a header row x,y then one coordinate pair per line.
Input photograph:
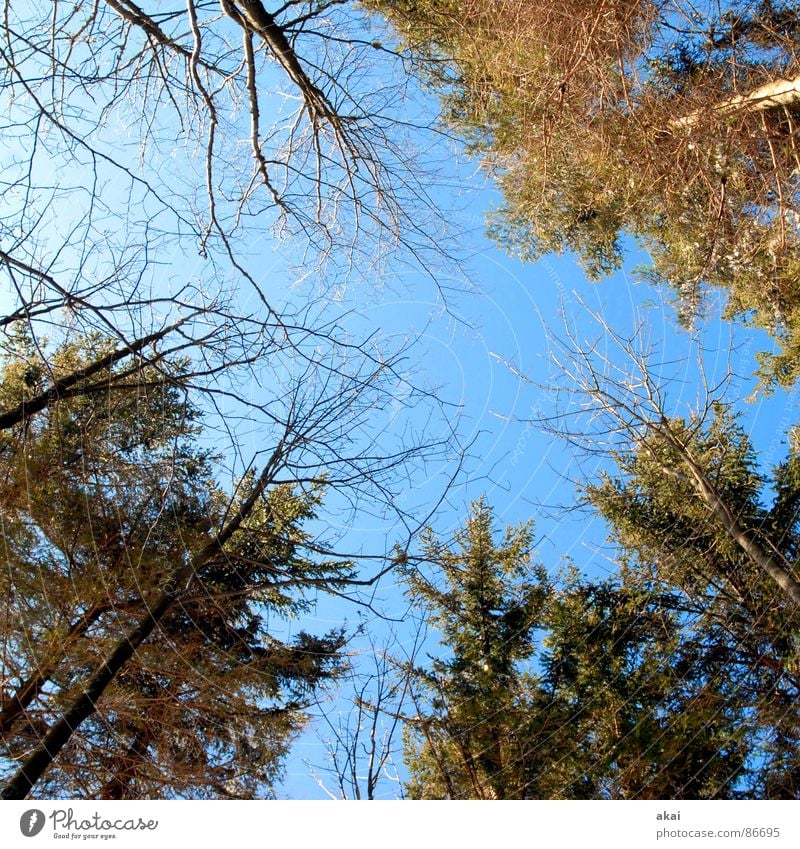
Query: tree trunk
x,y
768,96
37,762
14,704
84,705
252,14
774,564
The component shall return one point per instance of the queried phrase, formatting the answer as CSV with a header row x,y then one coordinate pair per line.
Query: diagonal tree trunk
x,y
772,563
771,95
14,704
252,15
634,406
36,763
73,384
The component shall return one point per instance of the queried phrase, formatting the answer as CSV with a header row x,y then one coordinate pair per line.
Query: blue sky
x,y
470,331
497,326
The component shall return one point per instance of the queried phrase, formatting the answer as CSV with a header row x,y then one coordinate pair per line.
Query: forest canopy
x,y
671,122
215,396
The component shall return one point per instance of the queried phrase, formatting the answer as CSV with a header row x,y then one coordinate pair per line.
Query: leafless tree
x,y
361,736
150,154
192,125
612,400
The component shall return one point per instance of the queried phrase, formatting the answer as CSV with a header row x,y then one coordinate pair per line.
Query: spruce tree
x,y
103,497
743,625
485,602
573,687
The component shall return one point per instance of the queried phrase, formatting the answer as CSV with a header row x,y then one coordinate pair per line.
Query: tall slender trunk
x,y
773,563
85,704
13,705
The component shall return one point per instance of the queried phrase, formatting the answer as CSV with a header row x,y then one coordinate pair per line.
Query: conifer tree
x,y
485,609
673,122
744,625
104,498
572,688
695,515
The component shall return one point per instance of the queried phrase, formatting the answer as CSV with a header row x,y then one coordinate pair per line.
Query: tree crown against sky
x,y
669,121
135,573
200,122
131,143
570,687
153,159
104,499
135,138
696,514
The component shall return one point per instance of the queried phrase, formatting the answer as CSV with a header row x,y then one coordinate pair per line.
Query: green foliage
x,y
651,718
634,118
573,689
102,496
742,626
486,610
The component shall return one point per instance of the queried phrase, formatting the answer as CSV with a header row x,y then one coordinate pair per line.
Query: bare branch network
x,y
149,157
613,403
296,119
